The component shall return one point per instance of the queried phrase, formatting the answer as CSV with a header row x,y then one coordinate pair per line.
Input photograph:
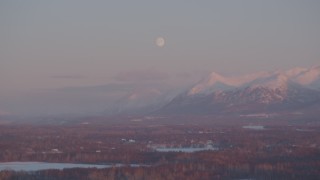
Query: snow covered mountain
x,y
140,101
260,92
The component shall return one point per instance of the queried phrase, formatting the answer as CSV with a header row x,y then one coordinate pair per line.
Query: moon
x,y
160,41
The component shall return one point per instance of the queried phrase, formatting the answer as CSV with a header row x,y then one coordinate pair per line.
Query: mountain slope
x,y
279,91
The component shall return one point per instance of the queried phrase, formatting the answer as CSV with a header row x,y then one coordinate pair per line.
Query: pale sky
x,y
47,45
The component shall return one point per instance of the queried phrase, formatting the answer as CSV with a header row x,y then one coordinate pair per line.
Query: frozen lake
x,y
253,127
187,150
35,166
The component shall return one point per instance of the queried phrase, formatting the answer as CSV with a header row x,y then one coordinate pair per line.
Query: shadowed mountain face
x,y
280,91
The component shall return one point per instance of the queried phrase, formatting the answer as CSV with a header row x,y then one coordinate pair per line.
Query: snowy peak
x,y
213,82
294,72
310,77
216,82
277,81
272,80
263,92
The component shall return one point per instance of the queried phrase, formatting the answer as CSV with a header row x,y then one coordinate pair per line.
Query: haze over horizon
x,y
71,56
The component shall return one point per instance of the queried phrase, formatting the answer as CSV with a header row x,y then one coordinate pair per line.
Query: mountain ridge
x,y
262,92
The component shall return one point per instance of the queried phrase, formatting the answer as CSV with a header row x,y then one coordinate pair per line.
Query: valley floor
x,y
165,148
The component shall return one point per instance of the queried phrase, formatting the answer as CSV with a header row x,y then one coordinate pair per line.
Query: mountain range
x,y
294,91
263,92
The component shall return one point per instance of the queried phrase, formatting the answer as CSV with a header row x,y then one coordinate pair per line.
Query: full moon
x,y
160,41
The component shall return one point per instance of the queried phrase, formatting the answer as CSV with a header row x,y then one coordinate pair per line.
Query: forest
x,y
231,150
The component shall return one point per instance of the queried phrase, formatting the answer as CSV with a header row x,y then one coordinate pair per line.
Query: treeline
x,y
198,170
202,165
